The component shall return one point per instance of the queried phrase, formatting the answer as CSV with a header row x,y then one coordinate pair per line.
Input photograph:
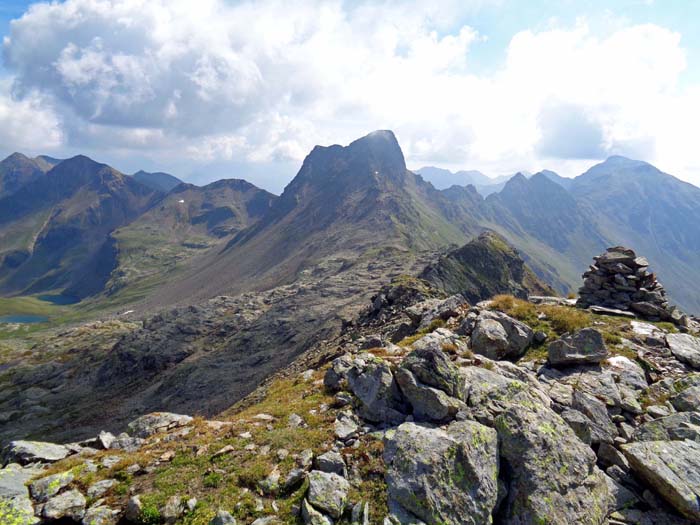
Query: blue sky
x,y
495,85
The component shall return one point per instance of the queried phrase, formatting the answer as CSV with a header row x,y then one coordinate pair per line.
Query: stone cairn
x,y
622,281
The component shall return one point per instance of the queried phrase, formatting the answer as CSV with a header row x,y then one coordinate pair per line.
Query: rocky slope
x,y
484,267
54,230
505,412
182,225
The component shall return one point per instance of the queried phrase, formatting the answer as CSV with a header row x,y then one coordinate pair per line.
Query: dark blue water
x,y
59,299
23,319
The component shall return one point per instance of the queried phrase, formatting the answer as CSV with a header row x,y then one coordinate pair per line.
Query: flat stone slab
x,y
24,452
672,468
602,310
685,348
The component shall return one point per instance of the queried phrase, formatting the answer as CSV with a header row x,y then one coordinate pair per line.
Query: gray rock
x,y
489,392
346,426
579,423
553,478
100,515
584,347
13,479
680,426
223,518
331,462
360,514
47,487
518,334
172,510
443,476
620,496
685,348
127,443
628,372
100,488
433,368
372,382
24,452
313,517
105,440
133,509
17,510
490,339
608,456
293,479
328,492
603,430
336,375
672,468
657,411
429,404
69,505
687,400
150,424
438,339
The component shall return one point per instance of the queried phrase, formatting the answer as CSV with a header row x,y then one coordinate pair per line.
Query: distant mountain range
x,y
153,238
443,179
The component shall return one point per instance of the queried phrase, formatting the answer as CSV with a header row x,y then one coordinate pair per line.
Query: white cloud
x,y
26,124
265,81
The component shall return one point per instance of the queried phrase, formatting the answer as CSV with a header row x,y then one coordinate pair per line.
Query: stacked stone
x,y
620,280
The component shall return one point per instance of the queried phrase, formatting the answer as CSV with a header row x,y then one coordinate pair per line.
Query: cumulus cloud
x,y
27,124
264,81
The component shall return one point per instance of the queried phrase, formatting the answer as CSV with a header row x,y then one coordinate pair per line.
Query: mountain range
x,y
151,238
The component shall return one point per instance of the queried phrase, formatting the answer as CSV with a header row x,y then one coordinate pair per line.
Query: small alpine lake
x,y
23,319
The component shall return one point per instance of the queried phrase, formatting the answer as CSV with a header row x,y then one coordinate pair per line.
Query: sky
x,y
209,89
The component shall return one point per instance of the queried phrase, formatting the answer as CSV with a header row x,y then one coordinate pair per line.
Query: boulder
x,y
331,462
429,404
346,426
47,487
603,430
680,426
70,505
685,348
24,452
13,479
100,488
100,515
133,509
579,423
313,517
584,347
445,476
328,492
490,339
150,424
687,400
372,382
518,335
17,511
552,473
627,372
672,468
433,368
336,375
489,392
172,510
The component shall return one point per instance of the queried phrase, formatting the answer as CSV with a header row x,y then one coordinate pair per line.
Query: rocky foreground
x,y
426,411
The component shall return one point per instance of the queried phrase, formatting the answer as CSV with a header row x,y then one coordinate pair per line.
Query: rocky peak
x,y
484,267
